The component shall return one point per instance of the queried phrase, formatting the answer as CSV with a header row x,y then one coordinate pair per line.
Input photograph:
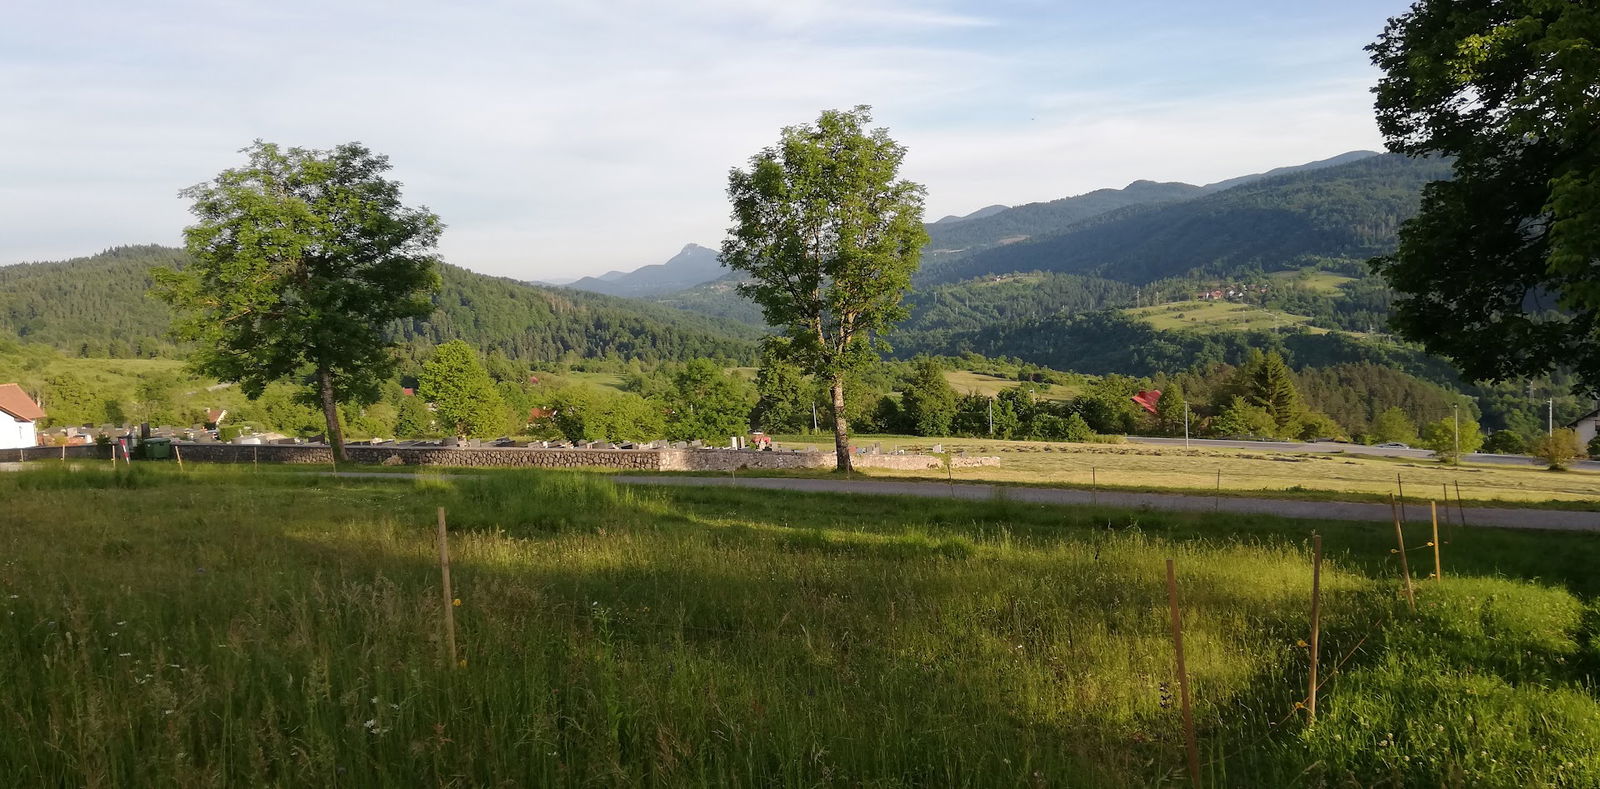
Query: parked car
x,y
1394,445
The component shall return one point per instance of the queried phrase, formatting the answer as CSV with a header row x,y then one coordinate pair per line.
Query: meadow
x,y
1243,472
222,627
1217,316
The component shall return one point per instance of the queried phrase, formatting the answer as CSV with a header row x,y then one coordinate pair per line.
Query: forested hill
x,y
90,306
97,306
1347,211
1035,219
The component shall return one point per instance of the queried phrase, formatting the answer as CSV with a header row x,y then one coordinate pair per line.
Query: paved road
x,y
1563,520
1335,448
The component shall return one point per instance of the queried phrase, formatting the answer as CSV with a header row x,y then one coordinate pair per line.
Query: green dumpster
x,y
156,448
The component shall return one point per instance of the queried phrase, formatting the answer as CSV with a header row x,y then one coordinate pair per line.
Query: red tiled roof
x,y
18,404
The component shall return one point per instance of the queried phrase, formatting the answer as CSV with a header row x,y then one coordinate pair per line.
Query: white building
x,y
18,413
1586,427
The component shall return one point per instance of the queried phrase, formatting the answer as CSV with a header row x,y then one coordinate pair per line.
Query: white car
x,y
1394,445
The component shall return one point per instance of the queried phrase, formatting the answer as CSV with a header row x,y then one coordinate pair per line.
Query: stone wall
x,y
524,457
79,452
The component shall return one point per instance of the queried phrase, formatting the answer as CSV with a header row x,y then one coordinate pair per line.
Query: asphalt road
x,y
1335,448
1561,520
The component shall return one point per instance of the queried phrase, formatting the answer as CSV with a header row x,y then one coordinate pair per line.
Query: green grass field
x,y
1324,281
968,382
1214,316
1146,467
223,628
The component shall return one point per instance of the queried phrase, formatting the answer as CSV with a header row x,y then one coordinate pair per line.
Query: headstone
x,y
680,445
937,449
877,448
696,444
733,442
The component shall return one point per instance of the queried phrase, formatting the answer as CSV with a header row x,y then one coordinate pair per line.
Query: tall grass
x,y
199,630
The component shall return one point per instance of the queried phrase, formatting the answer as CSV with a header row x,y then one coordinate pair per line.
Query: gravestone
x,y
937,449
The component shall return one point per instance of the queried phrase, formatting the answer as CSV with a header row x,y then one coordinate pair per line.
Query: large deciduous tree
x,y
1500,271
301,259
830,236
463,395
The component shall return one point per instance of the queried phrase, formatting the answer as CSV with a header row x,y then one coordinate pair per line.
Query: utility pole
x,y
1456,407
1186,424
991,417
1550,417
813,416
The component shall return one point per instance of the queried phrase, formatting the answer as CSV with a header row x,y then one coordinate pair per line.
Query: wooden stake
x,y
1190,744
1316,627
255,458
177,452
1459,508
1438,569
1402,488
1216,501
449,599
1405,569
1094,485
1446,488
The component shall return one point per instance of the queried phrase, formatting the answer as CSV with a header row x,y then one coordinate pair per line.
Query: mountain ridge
x,y
693,265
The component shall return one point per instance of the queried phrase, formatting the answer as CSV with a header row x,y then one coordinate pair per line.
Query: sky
x,y
561,138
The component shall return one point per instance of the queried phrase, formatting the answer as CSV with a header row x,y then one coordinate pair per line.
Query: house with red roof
x,y
18,413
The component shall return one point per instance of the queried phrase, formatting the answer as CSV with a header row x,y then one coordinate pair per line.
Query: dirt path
x,y
1563,520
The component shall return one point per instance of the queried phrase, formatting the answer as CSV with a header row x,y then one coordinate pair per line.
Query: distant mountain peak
x,y
693,265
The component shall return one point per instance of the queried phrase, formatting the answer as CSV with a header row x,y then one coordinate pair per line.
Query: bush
x,y
1558,448
1506,442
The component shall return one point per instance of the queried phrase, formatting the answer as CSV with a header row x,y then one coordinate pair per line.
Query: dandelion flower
x,y
456,602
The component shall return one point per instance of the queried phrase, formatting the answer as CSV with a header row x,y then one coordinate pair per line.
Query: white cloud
x,y
576,137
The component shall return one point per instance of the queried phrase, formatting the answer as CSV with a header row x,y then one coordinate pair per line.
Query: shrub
x,y
1558,448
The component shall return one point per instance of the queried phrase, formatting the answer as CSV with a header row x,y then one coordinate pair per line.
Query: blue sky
x,y
564,138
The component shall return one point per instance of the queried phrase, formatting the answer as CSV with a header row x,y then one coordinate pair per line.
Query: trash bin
x,y
156,448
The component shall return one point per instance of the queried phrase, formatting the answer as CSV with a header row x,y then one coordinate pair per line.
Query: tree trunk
x,y
841,431
330,412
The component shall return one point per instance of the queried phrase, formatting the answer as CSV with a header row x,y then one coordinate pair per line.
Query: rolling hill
x,y
96,306
1351,210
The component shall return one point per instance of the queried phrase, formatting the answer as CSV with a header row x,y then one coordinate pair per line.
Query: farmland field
x,y
968,382
1146,467
224,628
1322,281
1217,316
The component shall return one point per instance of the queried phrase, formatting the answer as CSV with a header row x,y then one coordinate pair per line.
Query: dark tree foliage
x,y
91,306
1501,269
537,324
96,306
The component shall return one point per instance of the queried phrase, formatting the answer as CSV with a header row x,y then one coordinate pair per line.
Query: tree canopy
x,y
463,395
300,261
1498,271
830,236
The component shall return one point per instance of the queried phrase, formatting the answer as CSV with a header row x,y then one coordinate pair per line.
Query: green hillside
x,y
1212,316
1035,219
1348,211
96,306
